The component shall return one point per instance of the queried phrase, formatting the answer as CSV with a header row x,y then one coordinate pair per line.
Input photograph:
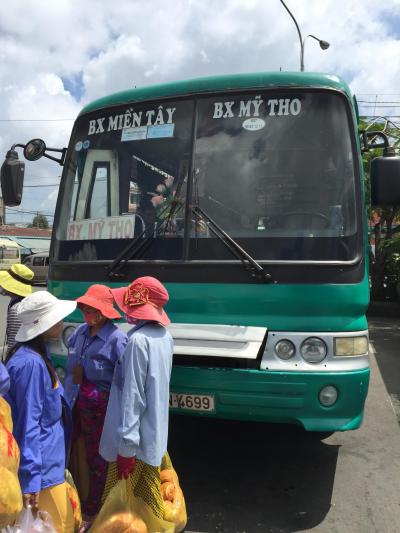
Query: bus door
x,y
98,189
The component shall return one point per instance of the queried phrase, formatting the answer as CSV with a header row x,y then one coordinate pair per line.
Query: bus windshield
x,y
275,170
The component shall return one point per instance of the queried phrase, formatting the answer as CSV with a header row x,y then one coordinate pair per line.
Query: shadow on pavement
x,y
251,477
385,338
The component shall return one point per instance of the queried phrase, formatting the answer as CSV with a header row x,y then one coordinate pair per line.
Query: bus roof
x,y
221,83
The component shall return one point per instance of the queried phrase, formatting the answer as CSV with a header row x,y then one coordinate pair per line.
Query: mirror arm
x,y
368,134
62,158
56,149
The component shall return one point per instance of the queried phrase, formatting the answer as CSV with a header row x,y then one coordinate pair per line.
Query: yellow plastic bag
x,y
9,451
74,499
174,501
123,512
5,414
10,497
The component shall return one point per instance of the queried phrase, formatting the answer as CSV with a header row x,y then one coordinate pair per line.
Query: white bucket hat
x,y
39,312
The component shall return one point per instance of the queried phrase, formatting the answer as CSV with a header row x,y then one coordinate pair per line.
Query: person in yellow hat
x,y
16,282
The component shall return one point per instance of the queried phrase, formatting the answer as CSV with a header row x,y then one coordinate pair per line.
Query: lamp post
x,y
323,44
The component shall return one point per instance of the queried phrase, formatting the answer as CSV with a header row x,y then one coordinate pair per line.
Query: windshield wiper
x,y
257,272
140,244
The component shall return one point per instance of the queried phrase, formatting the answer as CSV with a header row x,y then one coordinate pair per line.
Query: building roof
x,y
14,231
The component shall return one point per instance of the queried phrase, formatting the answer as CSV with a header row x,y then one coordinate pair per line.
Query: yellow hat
x,y
18,279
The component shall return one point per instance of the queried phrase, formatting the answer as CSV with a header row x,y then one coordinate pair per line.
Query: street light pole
x,y
323,44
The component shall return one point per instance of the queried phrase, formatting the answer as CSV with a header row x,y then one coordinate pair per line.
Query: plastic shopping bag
x,y
10,497
74,499
9,451
27,523
5,414
174,501
123,512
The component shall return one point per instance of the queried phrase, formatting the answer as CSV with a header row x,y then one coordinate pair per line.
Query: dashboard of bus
x,y
277,170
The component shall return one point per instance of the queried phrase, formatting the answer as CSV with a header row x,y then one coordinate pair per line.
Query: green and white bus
x,y
244,195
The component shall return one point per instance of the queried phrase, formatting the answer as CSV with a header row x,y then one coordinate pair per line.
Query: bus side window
x,y
98,201
98,193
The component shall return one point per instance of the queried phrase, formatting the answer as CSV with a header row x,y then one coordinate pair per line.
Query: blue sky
x,y
56,57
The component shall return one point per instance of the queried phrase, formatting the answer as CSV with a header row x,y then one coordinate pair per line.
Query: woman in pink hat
x,y
136,423
93,350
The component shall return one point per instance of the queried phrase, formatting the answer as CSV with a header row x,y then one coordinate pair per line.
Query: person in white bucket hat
x,y
41,416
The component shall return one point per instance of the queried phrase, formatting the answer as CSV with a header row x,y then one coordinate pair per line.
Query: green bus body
x,y
255,395
248,392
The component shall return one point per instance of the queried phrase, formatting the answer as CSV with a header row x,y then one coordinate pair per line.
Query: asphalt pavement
x,y
259,478
385,338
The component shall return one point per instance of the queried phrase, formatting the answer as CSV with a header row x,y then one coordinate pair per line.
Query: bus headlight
x,y
66,334
351,345
285,349
328,395
313,350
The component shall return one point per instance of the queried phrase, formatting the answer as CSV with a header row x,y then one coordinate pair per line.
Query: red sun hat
x,y
100,297
143,299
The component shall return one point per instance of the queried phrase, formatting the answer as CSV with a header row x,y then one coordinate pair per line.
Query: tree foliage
x,y
384,225
39,221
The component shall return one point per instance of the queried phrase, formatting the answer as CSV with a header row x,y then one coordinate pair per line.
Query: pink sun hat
x,y
99,297
143,299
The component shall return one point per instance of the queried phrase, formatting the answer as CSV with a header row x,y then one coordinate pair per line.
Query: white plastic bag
x,y
27,523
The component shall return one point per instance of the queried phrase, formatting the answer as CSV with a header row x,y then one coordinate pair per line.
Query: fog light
x,y
285,349
60,373
328,395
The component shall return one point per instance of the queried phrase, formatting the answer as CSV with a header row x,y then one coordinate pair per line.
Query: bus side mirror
x,y
385,179
12,179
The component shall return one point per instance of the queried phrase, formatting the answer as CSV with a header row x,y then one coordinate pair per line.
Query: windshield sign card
x,y
122,227
134,134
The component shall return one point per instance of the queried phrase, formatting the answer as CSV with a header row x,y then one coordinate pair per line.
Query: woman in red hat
x,y
93,350
136,424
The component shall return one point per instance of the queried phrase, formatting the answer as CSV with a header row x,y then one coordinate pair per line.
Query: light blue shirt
x,y
136,422
97,355
37,413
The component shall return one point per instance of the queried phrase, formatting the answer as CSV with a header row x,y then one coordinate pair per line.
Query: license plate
x,y
191,402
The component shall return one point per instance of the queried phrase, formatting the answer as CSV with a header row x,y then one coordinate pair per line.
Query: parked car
x,y
39,264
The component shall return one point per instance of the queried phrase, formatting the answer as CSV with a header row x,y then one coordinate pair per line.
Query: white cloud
x,y
113,46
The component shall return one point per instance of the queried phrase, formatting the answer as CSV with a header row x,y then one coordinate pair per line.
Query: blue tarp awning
x,y
34,244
